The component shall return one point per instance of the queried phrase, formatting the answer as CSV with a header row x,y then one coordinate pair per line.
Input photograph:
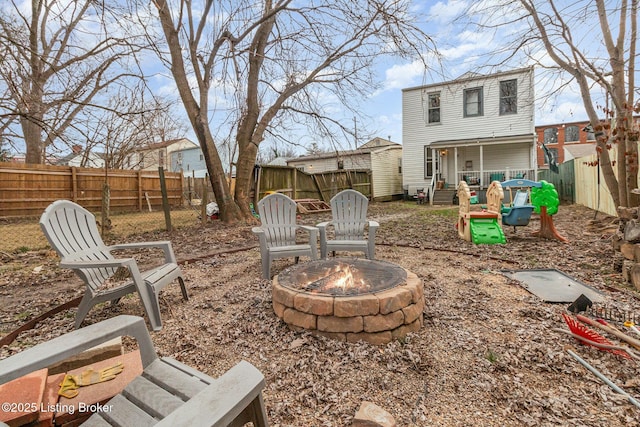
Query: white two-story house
x,y
476,128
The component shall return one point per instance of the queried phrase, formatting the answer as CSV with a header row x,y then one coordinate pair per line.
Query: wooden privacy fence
x,y
26,190
301,185
564,180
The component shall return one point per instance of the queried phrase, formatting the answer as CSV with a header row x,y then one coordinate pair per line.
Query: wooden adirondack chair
x,y
349,213
168,393
277,234
72,232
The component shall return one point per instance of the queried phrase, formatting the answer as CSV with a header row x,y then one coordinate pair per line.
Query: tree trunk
x,y
547,228
32,132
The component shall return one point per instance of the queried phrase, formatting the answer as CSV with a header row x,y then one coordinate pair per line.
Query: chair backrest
x,y
349,212
71,230
278,218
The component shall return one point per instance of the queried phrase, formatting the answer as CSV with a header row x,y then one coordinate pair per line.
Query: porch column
x,y
434,162
484,185
455,167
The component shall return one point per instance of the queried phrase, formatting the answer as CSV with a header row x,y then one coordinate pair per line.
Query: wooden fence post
x,y
74,184
165,199
139,176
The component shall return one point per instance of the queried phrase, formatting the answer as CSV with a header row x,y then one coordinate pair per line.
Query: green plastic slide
x,y
486,230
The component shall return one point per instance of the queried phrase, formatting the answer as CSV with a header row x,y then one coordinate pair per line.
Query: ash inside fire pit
x,y
343,276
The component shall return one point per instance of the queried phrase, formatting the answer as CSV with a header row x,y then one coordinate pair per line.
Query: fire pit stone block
x,y
405,329
340,324
282,295
279,309
313,304
383,322
414,284
297,318
362,305
413,311
394,299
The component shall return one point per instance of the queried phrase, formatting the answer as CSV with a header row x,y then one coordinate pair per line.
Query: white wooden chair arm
x,y
311,229
323,225
119,262
220,403
165,245
65,346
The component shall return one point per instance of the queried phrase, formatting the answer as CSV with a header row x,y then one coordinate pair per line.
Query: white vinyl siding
x,y
416,132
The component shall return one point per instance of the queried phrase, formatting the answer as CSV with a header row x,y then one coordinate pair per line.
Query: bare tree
x,y
554,29
594,45
275,61
125,123
57,58
267,155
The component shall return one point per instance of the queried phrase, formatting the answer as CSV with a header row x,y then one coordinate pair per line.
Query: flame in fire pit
x,y
342,278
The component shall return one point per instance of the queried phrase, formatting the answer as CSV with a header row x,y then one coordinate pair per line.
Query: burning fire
x,y
344,278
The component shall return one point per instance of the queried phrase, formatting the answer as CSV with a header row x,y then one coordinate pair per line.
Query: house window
x,y
572,134
433,110
509,97
400,165
340,164
428,162
473,102
201,156
551,136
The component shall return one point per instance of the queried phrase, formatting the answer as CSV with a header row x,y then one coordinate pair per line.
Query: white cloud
x,y
447,11
401,76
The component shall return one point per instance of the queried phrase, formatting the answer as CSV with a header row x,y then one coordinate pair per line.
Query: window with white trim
x,y
473,105
433,113
509,97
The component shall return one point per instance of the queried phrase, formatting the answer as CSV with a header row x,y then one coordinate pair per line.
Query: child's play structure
x,y
485,226
519,213
481,226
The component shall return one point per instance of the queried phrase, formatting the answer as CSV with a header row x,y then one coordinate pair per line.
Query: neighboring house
x,y
80,157
189,161
381,156
476,128
158,154
279,161
565,141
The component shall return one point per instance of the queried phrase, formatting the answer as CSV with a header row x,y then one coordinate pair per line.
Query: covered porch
x,y
478,162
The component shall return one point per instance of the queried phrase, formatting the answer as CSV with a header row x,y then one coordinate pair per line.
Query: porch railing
x,y
482,179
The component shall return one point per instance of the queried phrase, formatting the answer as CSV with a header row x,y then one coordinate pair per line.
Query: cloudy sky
x,y
463,48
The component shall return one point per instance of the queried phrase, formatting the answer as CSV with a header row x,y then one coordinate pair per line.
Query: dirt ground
x,y
486,356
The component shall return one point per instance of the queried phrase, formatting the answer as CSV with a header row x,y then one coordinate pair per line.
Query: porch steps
x,y
443,197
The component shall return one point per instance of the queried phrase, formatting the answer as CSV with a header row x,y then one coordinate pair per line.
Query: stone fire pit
x,y
350,299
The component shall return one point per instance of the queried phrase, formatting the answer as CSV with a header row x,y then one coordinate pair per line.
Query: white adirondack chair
x,y
168,393
349,213
277,234
72,232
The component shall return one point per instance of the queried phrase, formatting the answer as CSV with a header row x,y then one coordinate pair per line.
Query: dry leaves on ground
x,y
487,354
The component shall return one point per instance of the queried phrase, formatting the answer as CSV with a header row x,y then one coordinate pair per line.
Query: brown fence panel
x,y
26,190
301,185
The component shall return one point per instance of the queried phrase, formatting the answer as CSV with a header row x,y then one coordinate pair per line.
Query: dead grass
x,y
25,235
